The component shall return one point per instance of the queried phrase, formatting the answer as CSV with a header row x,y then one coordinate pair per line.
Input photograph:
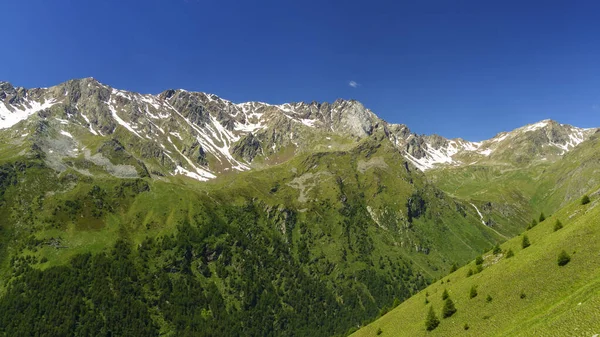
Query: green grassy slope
x,y
521,192
531,295
332,237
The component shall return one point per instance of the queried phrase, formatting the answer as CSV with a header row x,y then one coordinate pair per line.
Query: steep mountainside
x,y
539,291
540,186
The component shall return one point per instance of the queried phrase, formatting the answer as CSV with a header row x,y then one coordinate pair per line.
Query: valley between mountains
x,y
184,214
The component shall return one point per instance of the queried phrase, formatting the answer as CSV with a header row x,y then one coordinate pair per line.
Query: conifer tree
x,y
473,292
445,294
557,225
479,260
525,243
585,200
449,308
563,258
432,321
533,224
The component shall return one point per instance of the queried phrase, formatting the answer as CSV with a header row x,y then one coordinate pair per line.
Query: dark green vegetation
x,y
557,225
449,309
525,241
585,200
274,252
563,258
473,292
432,321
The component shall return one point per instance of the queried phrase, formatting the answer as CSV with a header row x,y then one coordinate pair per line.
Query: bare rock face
x,y
352,117
190,105
416,147
247,148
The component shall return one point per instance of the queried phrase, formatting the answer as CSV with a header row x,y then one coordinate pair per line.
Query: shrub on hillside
x,y
497,250
445,294
525,242
431,322
585,200
488,298
557,225
479,260
473,292
542,217
470,273
563,258
532,224
449,308
509,253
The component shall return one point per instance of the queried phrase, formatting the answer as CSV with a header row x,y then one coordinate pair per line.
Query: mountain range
x,y
222,218
202,135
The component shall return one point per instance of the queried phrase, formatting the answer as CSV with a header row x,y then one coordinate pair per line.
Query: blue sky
x,y
457,68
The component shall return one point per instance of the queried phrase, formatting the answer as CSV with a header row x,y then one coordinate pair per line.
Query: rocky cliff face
x,y
202,135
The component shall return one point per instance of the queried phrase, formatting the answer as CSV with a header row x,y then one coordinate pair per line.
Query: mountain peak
x,y
203,127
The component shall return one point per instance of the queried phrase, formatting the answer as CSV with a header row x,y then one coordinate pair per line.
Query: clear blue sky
x,y
457,68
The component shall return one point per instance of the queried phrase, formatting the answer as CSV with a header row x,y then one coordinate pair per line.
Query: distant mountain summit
x,y
202,135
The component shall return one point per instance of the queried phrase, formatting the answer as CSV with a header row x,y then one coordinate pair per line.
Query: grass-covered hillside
x,y
310,247
521,192
550,288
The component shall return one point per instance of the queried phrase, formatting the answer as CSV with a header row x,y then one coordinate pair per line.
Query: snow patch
x,y
478,212
121,93
576,137
90,124
253,121
498,139
486,152
535,126
423,166
10,117
308,122
176,134
65,133
121,122
200,177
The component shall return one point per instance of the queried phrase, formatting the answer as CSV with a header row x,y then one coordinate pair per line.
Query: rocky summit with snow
x,y
201,135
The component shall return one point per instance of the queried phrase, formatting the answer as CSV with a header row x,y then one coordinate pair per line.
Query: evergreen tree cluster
x,y
224,275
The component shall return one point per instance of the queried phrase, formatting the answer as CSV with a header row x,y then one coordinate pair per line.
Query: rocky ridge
x,y
201,135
